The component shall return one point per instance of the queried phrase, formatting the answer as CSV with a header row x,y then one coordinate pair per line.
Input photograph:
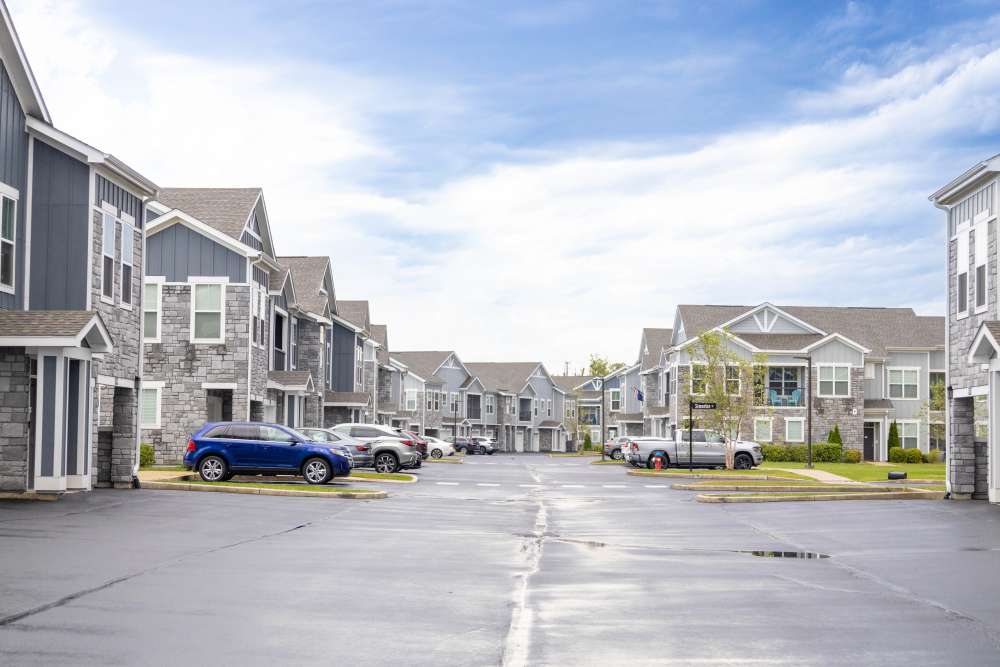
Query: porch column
x,y
78,424
50,441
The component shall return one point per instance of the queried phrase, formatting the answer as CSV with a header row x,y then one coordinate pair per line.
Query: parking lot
x,y
502,560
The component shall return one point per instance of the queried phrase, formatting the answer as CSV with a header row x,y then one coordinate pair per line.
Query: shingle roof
x,y
346,398
503,375
780,341
380,333
307,277
571,382
656,340
225,209
550,423
290,378
423,362
355,312
878,404
994,328
630,417
277,280
44,323
875,328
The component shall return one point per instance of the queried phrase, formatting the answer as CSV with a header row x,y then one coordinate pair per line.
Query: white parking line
x,y
613,486
572,486
484,484
655,486
530,486
447,483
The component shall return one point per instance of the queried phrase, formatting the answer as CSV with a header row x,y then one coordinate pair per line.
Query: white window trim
x,y
981,262
962,236
739,380
158,388
802,422
108,210
221,282
691,380
915,422
770,429
11,193
127,223
293,344
888,391
158,281
410,394
611,399
819,380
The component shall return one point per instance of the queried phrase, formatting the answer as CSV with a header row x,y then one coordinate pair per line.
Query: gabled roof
x,y
355,312
54,328
308,274
346,398
19,70
654,341
570,383
225,209
964,180
423,363
877,329
290,380
507,376
380,333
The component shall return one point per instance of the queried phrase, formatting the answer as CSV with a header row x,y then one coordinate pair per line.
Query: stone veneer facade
x,y
14,387
312,348
184,366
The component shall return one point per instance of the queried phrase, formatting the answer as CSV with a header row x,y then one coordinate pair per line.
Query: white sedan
x,y
438,448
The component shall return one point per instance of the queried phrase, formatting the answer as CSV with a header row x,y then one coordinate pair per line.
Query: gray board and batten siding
x,y
14,172
120,198
343,358
178,252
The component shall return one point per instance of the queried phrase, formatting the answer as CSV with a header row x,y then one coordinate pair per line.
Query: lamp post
x,y
809,409
601,382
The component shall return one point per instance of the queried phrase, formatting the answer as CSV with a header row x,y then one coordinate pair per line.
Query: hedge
x,y
852,456
147,456
823,452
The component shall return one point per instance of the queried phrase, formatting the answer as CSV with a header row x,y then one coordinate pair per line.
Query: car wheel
x,y
386,462
213,469
229,476
436,453
490,452
743,462
317,471
616,454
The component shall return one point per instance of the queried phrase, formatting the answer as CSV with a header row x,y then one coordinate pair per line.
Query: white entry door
x,y
535,440
519,440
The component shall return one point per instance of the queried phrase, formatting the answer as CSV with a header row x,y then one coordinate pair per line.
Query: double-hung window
x,y
762,429
909,434
453,408
834,381
293,340
411,400
980,249
616,399
794,429
548,406
207,307
535,404
150,407
698,372
108,262
489,404
437,401
359,373
128,248
733,380
151,312
904,383
429,400
8,234
962,273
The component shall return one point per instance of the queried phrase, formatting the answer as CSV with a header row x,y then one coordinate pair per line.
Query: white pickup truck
x,y
708,450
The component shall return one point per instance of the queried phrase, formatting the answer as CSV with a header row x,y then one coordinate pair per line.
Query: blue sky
x,y
542,180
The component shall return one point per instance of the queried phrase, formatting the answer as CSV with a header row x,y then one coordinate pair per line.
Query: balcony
x,y
790,398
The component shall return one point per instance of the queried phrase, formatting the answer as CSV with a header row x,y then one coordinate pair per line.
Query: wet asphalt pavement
x,y
502,560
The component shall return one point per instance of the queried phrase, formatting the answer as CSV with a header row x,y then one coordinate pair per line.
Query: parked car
x,y
361,452
418,439
465,445
486,445
439,448
708,450
220,450
615,447
390,453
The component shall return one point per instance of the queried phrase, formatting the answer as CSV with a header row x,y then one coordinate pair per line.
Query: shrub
x,y
147,456
775,452
823,452
852,456
913,455
933,456
588,444
894,436
834,437
826,452
897,455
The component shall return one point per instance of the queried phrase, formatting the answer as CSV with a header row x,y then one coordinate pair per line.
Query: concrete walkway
x,y
821,475
158,475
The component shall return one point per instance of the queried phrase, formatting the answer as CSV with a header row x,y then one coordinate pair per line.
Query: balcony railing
x,y
590,420
794,398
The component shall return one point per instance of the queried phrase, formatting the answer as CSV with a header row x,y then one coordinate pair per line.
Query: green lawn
x,y
165,468
754,472
867,472
370,474
325,488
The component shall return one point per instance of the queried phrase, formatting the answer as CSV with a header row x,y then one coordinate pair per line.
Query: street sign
x,y
704,406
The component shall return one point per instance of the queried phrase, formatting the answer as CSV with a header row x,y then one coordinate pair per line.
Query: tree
x,y
893,435
834,437
587,442
600,366
731,380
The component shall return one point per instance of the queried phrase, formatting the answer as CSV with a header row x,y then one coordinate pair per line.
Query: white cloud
x,y
543,258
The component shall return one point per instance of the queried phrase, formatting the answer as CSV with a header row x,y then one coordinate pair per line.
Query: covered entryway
x,y
519,440
871,440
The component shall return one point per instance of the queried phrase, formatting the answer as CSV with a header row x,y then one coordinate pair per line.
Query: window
x,y
453,407
8,231
698,378
834,381
733,380
909,435
293,340
128,247
108,267
794,429
869,370
437,401
762,429
616,399
512,405
903,383
937,441
548,408
429,399
980,249
359,372
962,248
490,404
150,408
274,434
279,333
535,403
207,306
151,312
411,399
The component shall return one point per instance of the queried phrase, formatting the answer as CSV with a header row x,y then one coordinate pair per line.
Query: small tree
x,y
732,381
834,437
601,367
893,435
588,444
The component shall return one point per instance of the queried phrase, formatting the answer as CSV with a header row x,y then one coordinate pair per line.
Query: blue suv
x,y
222,449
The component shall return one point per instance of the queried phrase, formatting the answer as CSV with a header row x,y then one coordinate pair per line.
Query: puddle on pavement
x,y
806,555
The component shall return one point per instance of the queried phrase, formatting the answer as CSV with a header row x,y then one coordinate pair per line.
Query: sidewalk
x,y
157,475
820,475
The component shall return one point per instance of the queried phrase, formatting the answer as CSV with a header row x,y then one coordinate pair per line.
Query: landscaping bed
x,y
264,488
681,473
868,472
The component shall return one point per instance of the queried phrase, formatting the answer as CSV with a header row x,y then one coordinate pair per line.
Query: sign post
x,y
692,406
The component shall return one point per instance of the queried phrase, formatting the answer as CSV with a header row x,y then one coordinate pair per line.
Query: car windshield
x,y
712,436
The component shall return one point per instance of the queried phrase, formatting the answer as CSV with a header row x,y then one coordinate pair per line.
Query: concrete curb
x,y
449,459
413,479
807,486
819,497
739,478
573,456
29,495
254,491
607,463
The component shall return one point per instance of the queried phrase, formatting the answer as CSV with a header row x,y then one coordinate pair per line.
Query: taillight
x,y
362,448
635,447
191,446
408,443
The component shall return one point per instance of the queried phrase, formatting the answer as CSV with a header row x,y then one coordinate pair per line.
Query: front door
x,y
519,440
214,405
869,441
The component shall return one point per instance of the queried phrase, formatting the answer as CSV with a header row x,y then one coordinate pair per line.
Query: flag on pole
x,y
638,395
